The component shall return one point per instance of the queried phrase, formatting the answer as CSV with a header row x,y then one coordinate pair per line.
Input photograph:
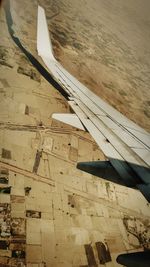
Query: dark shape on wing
x,y
105,170
102,169
145,190
136,259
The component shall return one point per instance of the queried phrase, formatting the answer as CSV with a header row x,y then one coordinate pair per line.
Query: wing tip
x,y
44,45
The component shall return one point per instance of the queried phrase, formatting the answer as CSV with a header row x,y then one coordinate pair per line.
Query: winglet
x,y
44,45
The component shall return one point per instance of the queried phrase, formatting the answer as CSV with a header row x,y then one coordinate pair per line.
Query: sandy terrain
x,y
51,213
106,46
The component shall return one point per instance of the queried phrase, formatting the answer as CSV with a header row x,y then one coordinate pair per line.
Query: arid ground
x,y
51,213
105,44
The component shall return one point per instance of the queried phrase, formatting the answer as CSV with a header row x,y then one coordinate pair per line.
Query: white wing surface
x,y
124,143
71,119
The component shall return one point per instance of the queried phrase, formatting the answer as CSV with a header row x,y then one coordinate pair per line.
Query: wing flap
x,y
110,152
115,148
100,107
70,119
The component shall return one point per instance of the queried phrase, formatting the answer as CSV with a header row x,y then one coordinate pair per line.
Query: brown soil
x,y
106,46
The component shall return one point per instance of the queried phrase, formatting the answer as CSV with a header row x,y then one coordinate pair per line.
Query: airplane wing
x,y
125,144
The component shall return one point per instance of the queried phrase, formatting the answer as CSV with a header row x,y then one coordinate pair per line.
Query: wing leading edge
x,y
125,144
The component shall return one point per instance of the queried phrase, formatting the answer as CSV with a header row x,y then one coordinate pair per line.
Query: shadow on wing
x,y
105,170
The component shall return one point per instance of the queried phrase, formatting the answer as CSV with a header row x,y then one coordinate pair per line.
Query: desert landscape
x,y
51,213
106,46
